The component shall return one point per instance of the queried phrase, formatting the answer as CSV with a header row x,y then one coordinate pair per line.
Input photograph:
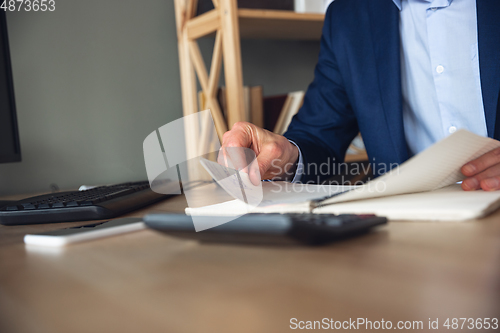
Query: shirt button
x,y
452,129
434,9
439,69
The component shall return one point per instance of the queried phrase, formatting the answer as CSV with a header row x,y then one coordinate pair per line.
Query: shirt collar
x,y
398,2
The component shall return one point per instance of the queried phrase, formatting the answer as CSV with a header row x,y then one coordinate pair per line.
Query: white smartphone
x,y
63,237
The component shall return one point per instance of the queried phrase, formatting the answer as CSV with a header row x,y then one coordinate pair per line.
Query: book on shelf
x,y
246,102
252,99
221,98
207,5
280,109
272,110
257,106
290,108
311,6
202,103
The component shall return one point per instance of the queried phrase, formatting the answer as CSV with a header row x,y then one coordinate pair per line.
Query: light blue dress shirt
x,y
440,77
439,70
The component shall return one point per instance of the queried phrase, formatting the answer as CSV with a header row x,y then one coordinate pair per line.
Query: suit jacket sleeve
x,y
325,125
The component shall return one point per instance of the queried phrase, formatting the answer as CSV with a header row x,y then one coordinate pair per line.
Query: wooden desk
x,y
147,282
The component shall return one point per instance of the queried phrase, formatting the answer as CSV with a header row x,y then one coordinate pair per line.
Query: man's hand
x,y
276,156
483,172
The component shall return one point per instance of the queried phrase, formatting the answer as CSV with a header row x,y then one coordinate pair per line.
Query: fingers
x,y
470,184
239,136
487,184
236,153
235,157
275,154
491,184
481,163
234,142
488,180
483,172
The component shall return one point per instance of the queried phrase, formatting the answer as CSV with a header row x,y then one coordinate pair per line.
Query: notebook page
x,y
278,197
450,203
434,168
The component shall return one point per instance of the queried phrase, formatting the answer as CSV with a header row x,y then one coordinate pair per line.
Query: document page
x,y
449,203
278,197
434,168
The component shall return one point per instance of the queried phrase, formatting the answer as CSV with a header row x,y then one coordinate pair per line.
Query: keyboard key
x,y
334,222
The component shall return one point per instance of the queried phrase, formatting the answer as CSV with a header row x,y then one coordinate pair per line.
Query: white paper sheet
x,y
236,183
434,168
278,197
450,203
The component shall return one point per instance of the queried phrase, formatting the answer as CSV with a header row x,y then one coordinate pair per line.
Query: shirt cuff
x,y
300,165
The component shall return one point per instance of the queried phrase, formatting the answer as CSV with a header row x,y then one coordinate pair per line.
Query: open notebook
x,y
423,188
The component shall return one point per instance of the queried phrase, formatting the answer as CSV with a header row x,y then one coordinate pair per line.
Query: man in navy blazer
x,y
380,73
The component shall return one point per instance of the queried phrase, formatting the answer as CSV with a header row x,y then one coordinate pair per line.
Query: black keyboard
x,y
98,203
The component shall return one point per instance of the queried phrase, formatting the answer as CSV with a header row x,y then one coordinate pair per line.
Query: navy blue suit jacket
x,y
357,84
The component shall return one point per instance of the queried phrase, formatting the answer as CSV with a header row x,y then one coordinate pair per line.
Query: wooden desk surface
x,y
147,282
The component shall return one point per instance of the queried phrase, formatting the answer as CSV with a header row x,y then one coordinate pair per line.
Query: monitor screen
x,y
10,150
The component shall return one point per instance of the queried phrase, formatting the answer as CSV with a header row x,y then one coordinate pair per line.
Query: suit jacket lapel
x,y
384,22
488,31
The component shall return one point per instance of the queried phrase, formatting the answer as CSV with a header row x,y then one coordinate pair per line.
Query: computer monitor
x,y
10,149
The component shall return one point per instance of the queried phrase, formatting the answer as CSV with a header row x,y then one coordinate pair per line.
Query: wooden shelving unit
x,y
228,24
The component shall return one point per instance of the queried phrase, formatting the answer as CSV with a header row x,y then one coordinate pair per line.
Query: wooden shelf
x,y
262,24
229,25
279,24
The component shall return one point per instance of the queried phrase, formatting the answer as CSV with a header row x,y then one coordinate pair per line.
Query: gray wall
x,y
94,78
